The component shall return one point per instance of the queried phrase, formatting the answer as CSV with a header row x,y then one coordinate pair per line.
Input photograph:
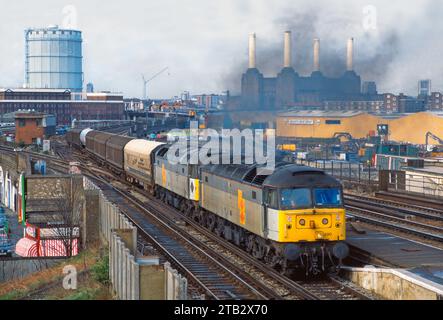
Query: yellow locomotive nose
x,y
303,225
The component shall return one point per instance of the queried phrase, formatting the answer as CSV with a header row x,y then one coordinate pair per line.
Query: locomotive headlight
x,y
325,221
302,222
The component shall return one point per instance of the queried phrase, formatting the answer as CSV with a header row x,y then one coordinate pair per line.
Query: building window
x,y
254,195
38,122
333,121
21,122
206,179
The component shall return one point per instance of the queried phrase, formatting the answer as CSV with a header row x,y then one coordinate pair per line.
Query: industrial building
x,y
53,59
290,89
64,104
33,127
407,128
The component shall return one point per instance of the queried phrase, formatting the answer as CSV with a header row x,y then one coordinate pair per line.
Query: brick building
x,y
32,127
63,104
391,103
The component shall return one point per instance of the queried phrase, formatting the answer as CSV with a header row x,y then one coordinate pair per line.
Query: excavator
x,y
437,151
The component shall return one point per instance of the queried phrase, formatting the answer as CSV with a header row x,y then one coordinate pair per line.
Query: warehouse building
x,y
407,128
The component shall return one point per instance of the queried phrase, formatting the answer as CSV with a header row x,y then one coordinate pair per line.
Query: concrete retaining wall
x,y
176,285
123,270
394,284
141,278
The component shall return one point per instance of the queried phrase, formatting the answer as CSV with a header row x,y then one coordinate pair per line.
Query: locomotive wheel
x,y
210,222
259,248
189,211
162,196
271,258
219,229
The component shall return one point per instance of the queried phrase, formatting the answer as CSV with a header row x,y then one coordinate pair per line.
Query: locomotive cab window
x,y
331,197
295,199
272,198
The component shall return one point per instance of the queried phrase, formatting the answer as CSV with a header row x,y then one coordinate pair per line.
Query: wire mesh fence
x,y
343,170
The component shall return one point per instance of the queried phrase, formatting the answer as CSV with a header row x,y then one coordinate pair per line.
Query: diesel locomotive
x,y
292,218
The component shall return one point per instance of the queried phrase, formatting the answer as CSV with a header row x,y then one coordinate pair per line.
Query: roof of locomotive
x,y
285,175
293,176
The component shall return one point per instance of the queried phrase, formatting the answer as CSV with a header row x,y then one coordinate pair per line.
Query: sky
x,y
205,43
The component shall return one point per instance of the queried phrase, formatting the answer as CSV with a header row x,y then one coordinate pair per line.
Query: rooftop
x,y
35,90
320,113
348,114
51,28
31,114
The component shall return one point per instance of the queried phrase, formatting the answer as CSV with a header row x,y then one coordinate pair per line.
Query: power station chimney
x,y
288,50
316,54
350,55
252,48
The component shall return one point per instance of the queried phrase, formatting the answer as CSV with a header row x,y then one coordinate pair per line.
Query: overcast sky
x,y
204,42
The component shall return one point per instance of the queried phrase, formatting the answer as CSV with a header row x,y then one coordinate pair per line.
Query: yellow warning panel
x,y
194,189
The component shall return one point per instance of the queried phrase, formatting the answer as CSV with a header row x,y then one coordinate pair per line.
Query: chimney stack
x,y
350,55
252,48
288,50
316,55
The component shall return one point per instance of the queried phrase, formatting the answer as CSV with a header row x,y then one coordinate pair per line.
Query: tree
x,y
69,203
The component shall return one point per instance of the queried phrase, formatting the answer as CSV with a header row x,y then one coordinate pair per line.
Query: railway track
x,y
210,263
216,280
410,200
397,208
334,288
381,218
264,278
338,289
268,282
419,221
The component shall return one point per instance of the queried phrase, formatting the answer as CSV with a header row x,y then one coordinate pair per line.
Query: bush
x,y
86,294
100,271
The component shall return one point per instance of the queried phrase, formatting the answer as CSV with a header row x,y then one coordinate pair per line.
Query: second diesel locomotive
x,y
292,219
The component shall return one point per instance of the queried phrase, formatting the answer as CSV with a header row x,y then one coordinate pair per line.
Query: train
x,y
293,219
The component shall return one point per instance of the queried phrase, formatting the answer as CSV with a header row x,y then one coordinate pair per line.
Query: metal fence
x,y
346,171
419,184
